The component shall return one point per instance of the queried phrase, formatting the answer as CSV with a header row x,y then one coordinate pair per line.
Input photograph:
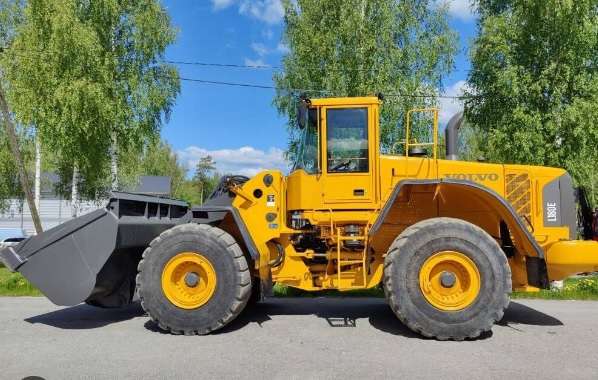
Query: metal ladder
x,y
362,261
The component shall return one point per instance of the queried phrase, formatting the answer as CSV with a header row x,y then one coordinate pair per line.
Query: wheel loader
x,y
447,240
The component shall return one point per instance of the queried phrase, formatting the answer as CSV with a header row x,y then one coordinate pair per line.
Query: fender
x,y
208,214
504,209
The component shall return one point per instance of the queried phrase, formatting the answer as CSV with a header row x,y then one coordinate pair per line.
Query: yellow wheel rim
x,y
449,281
188,280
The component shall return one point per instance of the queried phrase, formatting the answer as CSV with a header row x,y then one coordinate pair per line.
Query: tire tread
x,y
391,297
243,276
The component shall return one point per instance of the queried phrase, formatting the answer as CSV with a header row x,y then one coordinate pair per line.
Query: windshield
x,y
347,140
307,155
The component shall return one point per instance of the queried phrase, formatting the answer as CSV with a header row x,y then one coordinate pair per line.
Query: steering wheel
x,y
344,165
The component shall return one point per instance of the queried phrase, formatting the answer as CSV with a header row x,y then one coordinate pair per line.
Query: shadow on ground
x,y
338,312
82,317
518,314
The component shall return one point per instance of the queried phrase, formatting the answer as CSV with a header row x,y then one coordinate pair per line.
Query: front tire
x,y
447,279
193,279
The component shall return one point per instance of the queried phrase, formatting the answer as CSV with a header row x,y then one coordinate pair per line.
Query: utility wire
x,y
249,85
269,67
270,87
224,65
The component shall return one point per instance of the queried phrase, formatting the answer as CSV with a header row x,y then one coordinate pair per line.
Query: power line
x,y
223,65
270,67
235,84
248,85
298,90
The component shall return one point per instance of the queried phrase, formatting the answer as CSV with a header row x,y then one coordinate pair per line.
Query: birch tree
x,y
365,47
534,83
90,73
10,19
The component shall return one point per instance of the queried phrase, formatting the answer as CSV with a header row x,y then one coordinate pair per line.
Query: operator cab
x,y
336,158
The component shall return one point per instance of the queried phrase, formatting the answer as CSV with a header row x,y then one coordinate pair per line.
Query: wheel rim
x,y
188,280
449,281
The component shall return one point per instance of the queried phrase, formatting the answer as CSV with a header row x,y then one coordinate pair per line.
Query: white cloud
x,y
221,4
256,62
262,51
246,160
268,34
449,107
460,9
259,48
269,11
282,48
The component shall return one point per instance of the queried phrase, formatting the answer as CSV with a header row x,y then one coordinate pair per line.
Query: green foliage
x,y
189,193
13,284
158,159
363,47
535,84
589,284
10,16
9,182
205,177
575,288
10,186
471,142
81,70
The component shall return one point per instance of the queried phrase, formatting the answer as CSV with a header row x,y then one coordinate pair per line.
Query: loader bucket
x,y
66,262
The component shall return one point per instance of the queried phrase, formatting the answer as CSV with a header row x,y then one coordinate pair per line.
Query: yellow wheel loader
x,y
447,240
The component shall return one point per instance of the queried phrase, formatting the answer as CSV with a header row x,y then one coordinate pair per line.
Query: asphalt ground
x,y
320,338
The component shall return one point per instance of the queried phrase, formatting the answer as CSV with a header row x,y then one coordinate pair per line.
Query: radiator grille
x,y
518,193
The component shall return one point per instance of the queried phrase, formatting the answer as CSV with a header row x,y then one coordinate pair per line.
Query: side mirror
x,y
302,111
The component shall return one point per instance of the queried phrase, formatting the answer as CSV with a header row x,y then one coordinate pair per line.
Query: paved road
x,y
294,338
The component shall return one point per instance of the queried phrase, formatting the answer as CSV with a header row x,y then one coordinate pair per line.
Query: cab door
x,y
348,157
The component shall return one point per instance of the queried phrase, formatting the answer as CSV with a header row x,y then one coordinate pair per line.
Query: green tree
x,y
157,159
85,73
10,185
10,19
363,47
204,177
534,84
188,192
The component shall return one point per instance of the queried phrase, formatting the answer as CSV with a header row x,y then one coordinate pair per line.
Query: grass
x,y
15,285
576,288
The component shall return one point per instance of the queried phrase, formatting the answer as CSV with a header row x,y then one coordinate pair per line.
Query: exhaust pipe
x,y
452,136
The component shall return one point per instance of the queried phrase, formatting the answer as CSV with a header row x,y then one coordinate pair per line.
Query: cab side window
x,y
347,140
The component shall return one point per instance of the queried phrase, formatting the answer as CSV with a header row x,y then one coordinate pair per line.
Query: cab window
x,y
347,140
306,157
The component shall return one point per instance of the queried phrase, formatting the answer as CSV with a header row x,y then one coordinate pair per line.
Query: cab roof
x,y
347,101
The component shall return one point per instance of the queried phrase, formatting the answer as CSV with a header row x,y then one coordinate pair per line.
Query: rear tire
x,y
230,291
482,294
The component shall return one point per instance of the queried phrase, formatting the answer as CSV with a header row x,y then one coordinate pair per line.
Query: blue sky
x,y
239,127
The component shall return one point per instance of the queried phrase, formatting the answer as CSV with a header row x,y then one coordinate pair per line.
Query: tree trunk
x,y
38,170
114,162
75,192
14,146
201,194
